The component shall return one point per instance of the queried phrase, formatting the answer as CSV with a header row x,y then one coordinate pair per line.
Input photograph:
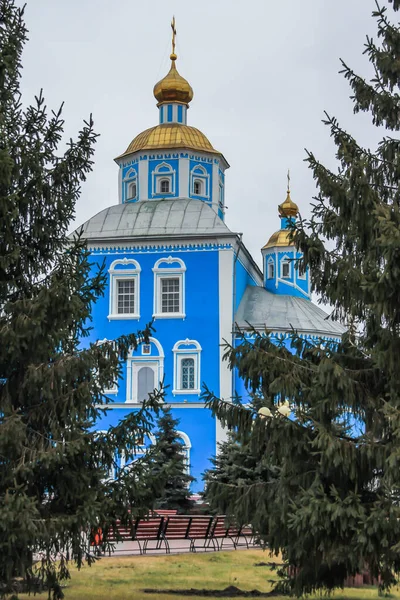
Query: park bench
x,y
201,531
187,527
223,530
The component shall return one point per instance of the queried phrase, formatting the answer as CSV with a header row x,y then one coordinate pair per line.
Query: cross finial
x,y
288,181
173,55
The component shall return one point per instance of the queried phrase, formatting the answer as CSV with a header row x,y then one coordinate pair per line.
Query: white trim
x,y
187,445
285,260
172,272
158,176
180,354
203,178
119,274
270,263
143,180
133,365
225,292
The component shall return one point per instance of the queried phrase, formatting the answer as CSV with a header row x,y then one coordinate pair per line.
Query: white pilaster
x,y
143,179
225,271
184,177
215,187
120,184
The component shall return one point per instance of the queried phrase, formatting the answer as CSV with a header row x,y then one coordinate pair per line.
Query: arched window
x,y
164,186
186,446
186,367
285,268
124,289
132,191
197,187
144,371
130,185
271,269
169,288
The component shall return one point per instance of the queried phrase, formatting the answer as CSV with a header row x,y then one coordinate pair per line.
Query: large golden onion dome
x,y
170,135
279,238
173,87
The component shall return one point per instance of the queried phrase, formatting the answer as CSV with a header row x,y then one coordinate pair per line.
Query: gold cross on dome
x,y
288,181
173,34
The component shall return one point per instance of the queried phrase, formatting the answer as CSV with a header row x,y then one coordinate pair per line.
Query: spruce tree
x,y
169,465
55,484
330,500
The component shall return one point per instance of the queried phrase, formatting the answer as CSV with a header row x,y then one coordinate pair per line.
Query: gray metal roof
x,y
155,218
262,310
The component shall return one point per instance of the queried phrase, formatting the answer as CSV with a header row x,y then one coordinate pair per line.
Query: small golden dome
x,y
279,238
173,87
288,208
170,135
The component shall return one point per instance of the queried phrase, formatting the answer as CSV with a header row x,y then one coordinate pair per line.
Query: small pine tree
x,y
332,507
169,465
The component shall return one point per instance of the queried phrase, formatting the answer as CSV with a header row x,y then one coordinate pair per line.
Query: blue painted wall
x,y
201,324
243,279
197,423
292,286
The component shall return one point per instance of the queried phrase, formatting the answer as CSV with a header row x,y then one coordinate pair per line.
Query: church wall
x,y
201,324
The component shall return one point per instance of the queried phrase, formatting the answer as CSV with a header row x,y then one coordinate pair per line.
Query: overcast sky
x,y
262,71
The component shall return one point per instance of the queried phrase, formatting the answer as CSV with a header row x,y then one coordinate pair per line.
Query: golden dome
x,y
288,208
279,238
173,87
170,135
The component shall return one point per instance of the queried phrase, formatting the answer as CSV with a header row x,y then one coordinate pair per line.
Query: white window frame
x,y
157,176
200,174
172,272
198,182
164,180
123,269
115,387
186,349
132,196
187,445
135,362
301,276
270,264
285,260
130,179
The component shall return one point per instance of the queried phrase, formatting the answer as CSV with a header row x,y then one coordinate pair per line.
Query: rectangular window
x,y
187,374
285,270
170,295
125,296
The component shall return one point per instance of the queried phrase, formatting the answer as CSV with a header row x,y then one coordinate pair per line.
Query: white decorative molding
x,y
165,273
181,351
119,274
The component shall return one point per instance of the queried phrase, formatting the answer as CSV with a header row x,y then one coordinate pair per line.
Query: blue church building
x,y
171,258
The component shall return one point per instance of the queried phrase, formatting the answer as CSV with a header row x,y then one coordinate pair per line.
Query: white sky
x,y
263,72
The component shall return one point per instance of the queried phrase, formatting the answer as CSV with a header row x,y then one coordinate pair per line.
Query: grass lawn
x,y
124,578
